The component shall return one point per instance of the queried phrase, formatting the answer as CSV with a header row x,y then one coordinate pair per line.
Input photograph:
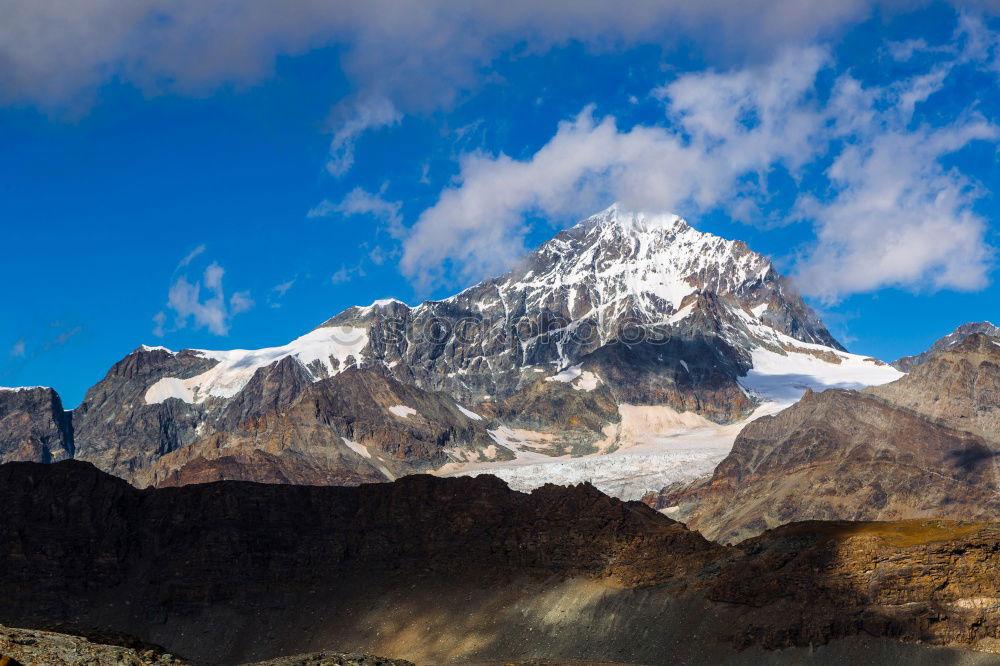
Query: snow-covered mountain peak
x,y
649,254
587,289
621,263
634,221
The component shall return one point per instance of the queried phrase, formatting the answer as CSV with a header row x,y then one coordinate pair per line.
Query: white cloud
x,y
399,56
277,293
160,322
899,218
185,300
17,350
191,256
895,216
240,302
361,202
347,273
361,117
904,50
979,43
282,289
64,337
477,228
324,208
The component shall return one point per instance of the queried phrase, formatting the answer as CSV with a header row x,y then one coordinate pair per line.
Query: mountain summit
x,y
956,337
617,283
625,313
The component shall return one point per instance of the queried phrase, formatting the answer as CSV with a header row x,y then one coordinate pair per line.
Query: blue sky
x,y
224,175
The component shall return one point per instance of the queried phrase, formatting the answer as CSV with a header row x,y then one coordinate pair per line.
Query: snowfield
x,y
324,352
658,446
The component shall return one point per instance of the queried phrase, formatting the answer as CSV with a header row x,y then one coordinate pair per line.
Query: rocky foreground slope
x,y
926,445
436,570
623,310
29,647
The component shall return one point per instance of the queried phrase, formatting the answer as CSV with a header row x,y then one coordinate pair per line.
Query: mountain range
x,y
623,328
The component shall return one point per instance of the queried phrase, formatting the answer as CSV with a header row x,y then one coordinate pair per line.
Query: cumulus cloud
x,y
477,228
399,56
899,218
191,305
888,212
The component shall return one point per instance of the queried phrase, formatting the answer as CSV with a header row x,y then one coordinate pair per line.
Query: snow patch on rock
x,y
577,378
150,348
783,378
166,388
472,415
402,411
360,449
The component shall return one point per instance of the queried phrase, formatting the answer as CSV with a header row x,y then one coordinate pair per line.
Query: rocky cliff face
x,y
465,569
143,423
924,445
356,427
33,426
920,580
119,430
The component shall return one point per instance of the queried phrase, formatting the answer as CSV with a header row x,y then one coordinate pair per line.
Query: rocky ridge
x,y
465,569
907,363
925,445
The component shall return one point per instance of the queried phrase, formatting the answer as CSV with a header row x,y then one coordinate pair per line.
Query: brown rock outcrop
x,y
116,430
919,580
356,427
33,426
959,387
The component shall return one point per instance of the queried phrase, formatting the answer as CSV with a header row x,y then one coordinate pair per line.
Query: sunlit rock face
x,y
925,445
33,425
